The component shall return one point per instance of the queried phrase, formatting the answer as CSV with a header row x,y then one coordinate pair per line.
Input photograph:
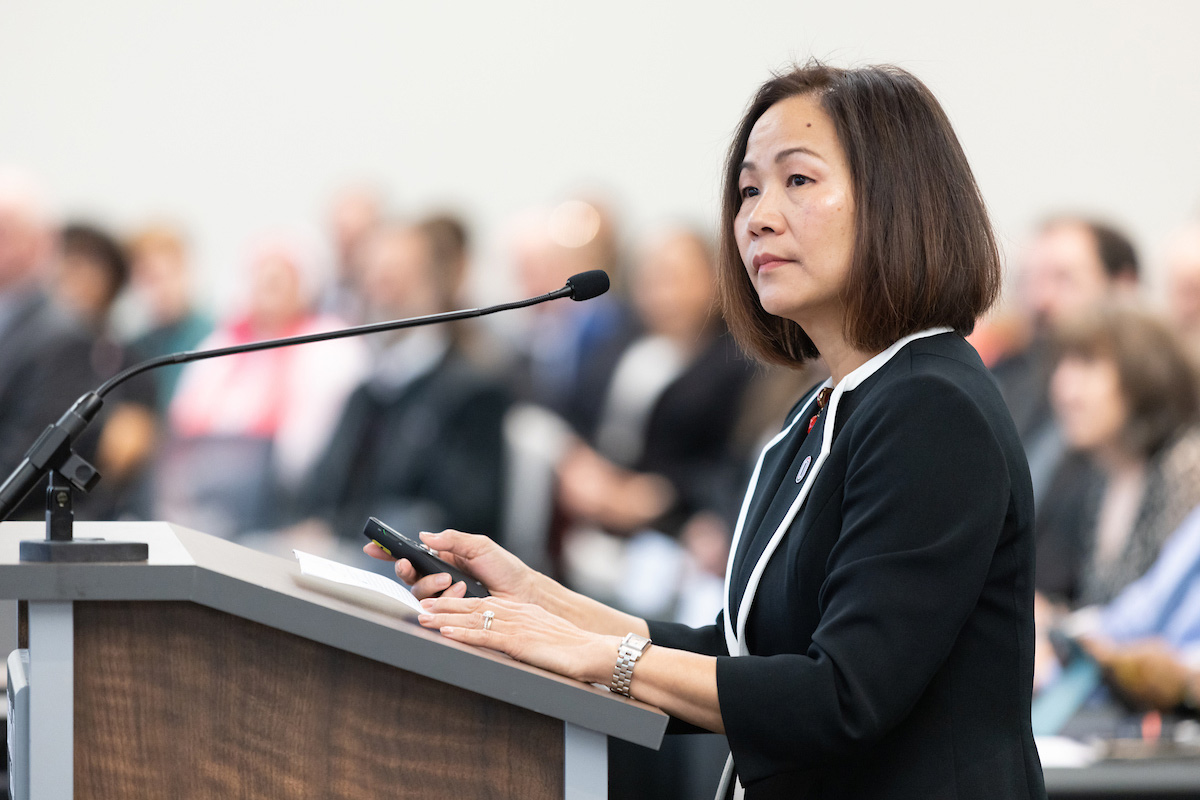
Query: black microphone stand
x,y
53,453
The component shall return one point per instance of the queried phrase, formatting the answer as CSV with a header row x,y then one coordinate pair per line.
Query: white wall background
x,y
233,116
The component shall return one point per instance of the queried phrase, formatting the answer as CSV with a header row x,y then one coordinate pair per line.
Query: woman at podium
x,y
877,635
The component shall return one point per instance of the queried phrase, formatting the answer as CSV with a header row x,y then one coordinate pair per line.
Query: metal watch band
x,y
631,649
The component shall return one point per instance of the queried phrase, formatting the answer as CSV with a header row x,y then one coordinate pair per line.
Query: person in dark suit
x,y
88,277
566,356
419,443
877,637
45,356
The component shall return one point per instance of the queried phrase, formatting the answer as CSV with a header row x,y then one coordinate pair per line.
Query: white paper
x,y
1059,751
323,568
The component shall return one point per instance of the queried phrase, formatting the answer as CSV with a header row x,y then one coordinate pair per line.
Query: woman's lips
x,y
769,261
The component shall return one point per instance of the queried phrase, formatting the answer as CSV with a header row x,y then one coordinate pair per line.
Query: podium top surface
x,y
185,565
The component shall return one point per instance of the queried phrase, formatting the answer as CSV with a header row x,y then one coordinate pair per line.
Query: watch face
x,y
636,642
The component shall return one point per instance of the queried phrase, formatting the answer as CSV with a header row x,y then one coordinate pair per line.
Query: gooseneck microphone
x,y
587,285
583,286
52,452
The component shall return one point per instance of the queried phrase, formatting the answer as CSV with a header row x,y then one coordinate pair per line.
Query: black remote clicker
x,y
423,558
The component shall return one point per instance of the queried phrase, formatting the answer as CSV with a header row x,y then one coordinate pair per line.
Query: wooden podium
x,y
210,671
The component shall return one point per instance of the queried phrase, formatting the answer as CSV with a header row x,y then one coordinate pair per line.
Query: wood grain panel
x,y
175,700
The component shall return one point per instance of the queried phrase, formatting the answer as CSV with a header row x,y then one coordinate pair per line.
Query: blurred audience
x,y
162,282
1072,265
89,274
419,442
1148,638
1126,395
568,350
45,355
638,418
660,454
354,213
246,429
1125,392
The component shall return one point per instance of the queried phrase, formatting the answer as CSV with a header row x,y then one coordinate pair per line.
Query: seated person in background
x,y
567,352
1148,638
161,280
419,442
247,428
1126,395
1127,398
88,276
1073,265
45,354
661,450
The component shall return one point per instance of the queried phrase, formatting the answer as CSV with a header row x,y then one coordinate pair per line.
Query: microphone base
x,y
83,551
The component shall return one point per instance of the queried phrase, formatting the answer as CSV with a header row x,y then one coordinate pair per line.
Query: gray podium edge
x,y
263,589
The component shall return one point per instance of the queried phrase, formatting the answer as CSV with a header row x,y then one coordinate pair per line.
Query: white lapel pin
x,y
804,469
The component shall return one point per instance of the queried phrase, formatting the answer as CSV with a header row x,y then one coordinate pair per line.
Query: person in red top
x,y
246,429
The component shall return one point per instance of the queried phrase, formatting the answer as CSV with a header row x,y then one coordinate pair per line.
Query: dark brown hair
x,y
95,246
924,253
1157,375
449,244
1114,249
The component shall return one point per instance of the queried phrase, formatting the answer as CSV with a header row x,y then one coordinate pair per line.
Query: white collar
x,y
407,358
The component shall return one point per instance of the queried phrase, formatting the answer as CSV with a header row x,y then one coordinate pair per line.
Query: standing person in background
x,y
246,429
45,355
1073,265
90,272
162,280
877,638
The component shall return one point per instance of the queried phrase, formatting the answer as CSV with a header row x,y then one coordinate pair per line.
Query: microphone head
x,y
587,285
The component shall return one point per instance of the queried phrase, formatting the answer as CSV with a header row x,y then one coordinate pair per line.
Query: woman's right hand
x,y
503,574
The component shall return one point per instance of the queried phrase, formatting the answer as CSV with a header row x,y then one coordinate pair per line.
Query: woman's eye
x,y
798,180
749,191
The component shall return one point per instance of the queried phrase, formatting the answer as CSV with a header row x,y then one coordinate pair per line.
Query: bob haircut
x,y
1157,376
924,253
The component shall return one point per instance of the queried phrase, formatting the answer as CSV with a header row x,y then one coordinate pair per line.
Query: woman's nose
x,y
765,216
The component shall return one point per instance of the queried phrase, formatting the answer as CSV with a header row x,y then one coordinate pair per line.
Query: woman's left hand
x,y
528,633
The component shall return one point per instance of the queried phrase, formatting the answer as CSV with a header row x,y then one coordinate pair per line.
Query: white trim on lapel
x,y
730,636
736,642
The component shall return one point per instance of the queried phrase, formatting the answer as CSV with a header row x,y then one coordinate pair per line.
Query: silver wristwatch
x,y
631,649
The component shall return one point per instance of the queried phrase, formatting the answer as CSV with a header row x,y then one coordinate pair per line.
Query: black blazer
x,y
688,432
891,636
430,456
45,364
